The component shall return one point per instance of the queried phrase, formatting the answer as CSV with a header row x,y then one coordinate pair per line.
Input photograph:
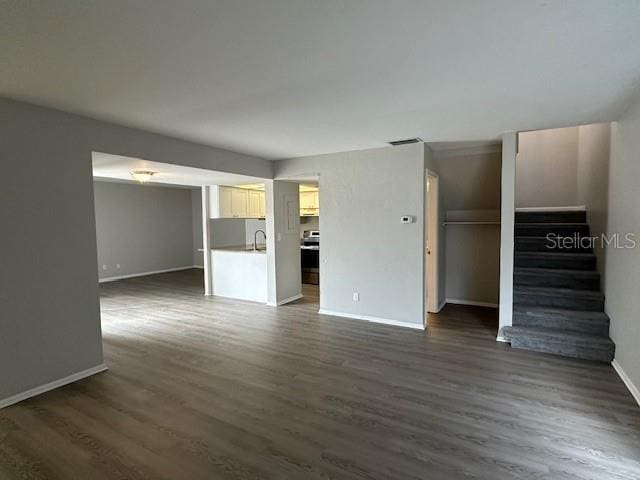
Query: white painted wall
x,y
622,277
196,219
283,241
142,228
240,275
49,307
309,223
507,220
365,248
251,226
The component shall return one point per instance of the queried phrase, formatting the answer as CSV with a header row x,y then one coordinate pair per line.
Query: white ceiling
x,y
285,78
116,167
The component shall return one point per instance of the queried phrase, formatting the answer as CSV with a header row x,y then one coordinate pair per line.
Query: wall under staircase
x,y
558,305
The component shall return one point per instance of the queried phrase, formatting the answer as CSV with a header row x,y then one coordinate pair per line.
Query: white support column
x,y
507,219
284,276
208,266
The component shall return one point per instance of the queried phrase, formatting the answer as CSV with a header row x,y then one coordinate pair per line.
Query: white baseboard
x,y
368,318
627,381
285,301
144,274
201,267
472,303
576,208
52,385
439,307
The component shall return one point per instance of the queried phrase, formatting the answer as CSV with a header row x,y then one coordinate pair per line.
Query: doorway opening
x,y
310,240
431,245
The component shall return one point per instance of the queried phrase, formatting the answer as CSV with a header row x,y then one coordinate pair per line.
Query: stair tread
x,y
557,271
564,336
553,291
554,224
579,315
556,254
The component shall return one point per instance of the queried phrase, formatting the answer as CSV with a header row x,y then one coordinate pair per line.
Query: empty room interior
x,y
298,239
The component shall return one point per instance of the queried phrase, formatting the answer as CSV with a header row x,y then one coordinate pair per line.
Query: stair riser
x,y
541,244
562,323
571,303
542,230
581,352
559,281
551,217
567,263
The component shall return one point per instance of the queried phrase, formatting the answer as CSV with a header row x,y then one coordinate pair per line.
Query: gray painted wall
x,y
365,248
49,309
593,180
196,218
142,228
470,190
227,232
623,265
546,168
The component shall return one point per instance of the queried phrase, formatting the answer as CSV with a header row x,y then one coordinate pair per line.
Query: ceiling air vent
x,y
407,141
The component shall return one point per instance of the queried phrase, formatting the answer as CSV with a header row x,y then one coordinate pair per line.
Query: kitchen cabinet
x,y
233,202
255,203
225,202
263,206
239,201
309,204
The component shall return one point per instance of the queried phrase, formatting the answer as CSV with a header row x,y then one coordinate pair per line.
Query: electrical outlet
x,y
104,267
356,297
117,266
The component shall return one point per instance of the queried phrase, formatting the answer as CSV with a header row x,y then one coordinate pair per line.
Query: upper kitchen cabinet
x,y
309,201
234,202
255,203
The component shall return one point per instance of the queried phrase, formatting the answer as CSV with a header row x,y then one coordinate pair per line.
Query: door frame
x,y
431,243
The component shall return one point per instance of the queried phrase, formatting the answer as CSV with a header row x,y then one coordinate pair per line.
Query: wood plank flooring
x,y
208,388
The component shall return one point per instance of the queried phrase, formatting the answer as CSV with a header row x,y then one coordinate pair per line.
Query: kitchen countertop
x,y
241,249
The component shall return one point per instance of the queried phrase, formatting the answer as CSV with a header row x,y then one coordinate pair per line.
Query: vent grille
x,y
407,141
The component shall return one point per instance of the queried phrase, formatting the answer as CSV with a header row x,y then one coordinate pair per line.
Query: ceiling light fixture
x,y
142,176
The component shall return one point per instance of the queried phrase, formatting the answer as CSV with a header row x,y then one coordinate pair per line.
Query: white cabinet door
x,y
225,200
309,203
238,202
263,206
254,203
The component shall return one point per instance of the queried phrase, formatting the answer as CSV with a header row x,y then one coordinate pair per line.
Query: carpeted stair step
x,y
559,298
551,277
558,342
567,261
579,216
544,229
543,244
590,323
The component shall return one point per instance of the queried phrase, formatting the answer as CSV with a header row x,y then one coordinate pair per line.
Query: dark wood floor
x,y
204,388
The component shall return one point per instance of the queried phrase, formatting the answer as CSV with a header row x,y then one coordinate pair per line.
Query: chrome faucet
x,y
255,239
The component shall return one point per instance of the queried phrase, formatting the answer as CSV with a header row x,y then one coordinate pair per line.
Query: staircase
x,y
557,304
